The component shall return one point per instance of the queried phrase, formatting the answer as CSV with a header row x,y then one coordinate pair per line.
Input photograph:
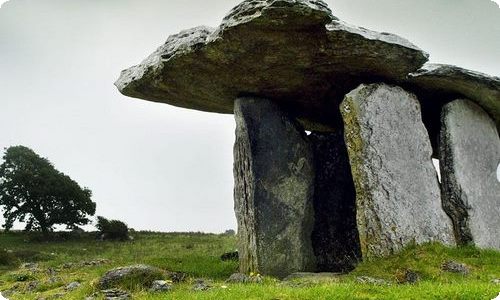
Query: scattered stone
x,y
335,236
408,276
97,262
201,285
243,278
329,59
371,280
176,277
274,183
496,281
33,267
455,267
397,190
229,256
54,279
313,278
138,275
32,285
51,272
160,286
72,286
115,294
470,152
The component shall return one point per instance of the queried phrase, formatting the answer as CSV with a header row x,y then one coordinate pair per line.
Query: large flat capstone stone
x,y
274,183
470,154
335,236
294,52
398,194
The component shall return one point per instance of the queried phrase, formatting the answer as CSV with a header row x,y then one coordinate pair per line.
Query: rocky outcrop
x,y
294,52
470,153
130,277
398,195
335,235
274,181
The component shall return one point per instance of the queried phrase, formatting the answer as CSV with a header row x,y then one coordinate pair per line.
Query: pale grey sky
x,y
156,166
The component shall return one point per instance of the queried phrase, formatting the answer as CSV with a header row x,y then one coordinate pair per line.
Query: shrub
x,y
7,258
112,229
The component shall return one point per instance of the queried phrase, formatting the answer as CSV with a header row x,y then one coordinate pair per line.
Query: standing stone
x,y
470,153
274,181
398,194
335,236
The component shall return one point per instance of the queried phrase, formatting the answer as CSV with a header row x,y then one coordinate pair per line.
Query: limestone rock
x,y
323,277
274,181
133,275
335,236
398,194
371,280
72,286
294,52
438,83
470,153
160,286
455,267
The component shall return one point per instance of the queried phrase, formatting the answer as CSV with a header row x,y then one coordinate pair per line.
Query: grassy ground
x,y
198,255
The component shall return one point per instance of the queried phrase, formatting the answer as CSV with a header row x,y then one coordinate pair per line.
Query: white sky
x,y
156,166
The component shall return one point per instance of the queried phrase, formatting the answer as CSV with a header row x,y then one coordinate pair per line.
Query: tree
x,y
34,192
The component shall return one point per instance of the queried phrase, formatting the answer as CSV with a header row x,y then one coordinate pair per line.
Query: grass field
x,y
198,255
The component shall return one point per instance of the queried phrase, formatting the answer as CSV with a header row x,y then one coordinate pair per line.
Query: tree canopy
x,y
34,192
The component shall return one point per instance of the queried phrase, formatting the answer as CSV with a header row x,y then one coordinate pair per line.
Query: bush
x,y
7,258
112,229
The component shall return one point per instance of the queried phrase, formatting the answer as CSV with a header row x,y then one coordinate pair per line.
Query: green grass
x,y
198,255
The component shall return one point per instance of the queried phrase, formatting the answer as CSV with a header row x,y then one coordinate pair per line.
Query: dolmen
x,y
336,128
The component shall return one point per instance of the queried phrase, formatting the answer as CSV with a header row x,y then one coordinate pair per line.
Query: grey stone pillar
x,y
274,181
335,235
470,153
398,194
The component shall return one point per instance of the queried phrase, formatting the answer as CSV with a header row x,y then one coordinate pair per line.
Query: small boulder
x,y
201,285
407,276
371,280
455,267
238,278
176,277
130,277
115,294
72,286
160,286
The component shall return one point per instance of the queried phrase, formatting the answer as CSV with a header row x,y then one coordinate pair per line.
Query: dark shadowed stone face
x,y
470,153
397,191
274,182
294,52
335,236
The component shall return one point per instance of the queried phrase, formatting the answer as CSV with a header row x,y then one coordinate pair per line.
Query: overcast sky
x,y
155,166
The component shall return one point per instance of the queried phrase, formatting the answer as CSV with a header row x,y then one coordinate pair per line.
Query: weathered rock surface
x,y
133,275
398,194
455,267
470,154
438,83
274,181
292,51
335,235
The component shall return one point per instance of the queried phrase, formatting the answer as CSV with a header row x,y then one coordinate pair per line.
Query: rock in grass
x,y
455,267
131,277
371,280
397,191
176,277
470,152
408,276
201,285
313,278
72,286
115,294
243,278
160,286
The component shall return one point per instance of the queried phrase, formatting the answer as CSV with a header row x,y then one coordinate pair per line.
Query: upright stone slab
x,y
274,182
470,153
398,194
335,236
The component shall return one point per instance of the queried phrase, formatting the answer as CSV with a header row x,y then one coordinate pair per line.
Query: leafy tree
x,y
34,192
112,229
